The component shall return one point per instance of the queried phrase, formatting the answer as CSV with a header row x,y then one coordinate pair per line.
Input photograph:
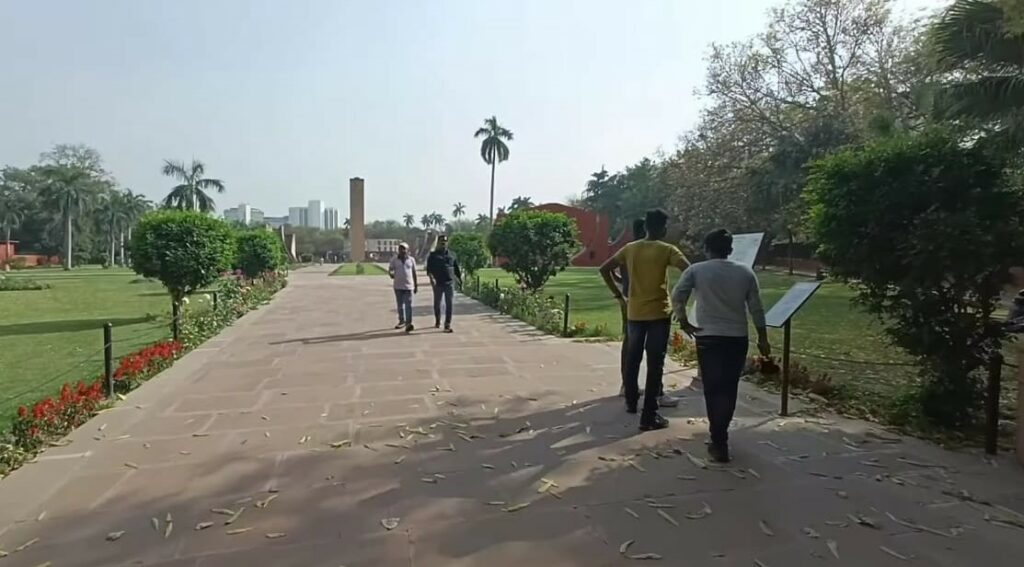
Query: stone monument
x,y
356,220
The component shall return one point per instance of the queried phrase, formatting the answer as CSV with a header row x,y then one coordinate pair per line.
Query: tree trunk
x,y
789,252
494,164
122,249
129,239
67,250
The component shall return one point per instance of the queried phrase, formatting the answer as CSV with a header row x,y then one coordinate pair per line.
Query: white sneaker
x,y
667,401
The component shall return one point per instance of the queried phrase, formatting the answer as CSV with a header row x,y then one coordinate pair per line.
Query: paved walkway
x,y
316,424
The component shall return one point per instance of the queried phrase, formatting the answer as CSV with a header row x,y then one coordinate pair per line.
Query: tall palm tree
x,y
409,220
12,210
437,219
458,210
493,149
191,192
69,190
427,221
114,213
520,203
981,47
482,220
136,205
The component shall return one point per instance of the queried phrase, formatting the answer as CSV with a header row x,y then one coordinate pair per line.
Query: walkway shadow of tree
x,y
455,481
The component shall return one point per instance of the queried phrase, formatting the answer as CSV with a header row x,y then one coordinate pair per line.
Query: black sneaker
x,y
630,407
437,324
400,325
653,423
448,329
719,453
409,328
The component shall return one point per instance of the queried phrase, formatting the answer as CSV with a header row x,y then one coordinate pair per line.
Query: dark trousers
x,y
721,361
403,297
650,337
444,291
624,354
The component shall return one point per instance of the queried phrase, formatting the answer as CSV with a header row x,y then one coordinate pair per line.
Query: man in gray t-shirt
x,y
403,271
725,292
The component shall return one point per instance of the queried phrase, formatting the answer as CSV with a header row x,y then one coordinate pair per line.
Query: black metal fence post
x,y
565,317
215,301
108,357
784,410
994,384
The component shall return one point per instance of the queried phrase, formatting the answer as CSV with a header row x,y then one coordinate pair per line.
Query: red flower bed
x,y
148,361
55,416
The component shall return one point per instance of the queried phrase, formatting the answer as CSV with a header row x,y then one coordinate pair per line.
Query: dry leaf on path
x,y
168,529
697,462
625,546
223,511
765,529
237,531
26,545
759,563
429,480
753,473
893,553
686,477
390,523
919,527
645,557
809,532
275,535
516,507
131,465
635,465
399,459
497,503
266,502
234,516
203,525
632,513
486,466
114,536
833,547
155,523
703,513
668,518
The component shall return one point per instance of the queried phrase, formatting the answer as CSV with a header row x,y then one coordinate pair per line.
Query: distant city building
x,y
244,214
332,220
275,222
382,244
315,214
298,216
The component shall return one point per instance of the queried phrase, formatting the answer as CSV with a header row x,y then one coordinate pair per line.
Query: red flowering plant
x,y
53,417
145,363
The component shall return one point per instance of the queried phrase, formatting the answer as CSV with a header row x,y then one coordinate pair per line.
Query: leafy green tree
x,y
458,211
427,221
926,231
260,251
136,205
437,220
471,250
185,250
113,210
493,149
71,191
534,245
13,207
191,193
980,46
408,220
483,221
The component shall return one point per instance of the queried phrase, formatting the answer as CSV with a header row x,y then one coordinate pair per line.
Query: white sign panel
x,y
790,303
745,248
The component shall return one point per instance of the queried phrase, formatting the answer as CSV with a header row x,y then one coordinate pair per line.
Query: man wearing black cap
x,y
443,271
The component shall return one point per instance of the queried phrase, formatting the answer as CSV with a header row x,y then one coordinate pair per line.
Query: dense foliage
x,y
471,251
925,230
185,250
259,252
534,245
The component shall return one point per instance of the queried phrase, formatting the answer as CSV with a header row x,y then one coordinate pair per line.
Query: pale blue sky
x,y
285,101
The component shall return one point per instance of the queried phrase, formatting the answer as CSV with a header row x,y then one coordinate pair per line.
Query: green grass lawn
x,y
828,326
350,270
54,336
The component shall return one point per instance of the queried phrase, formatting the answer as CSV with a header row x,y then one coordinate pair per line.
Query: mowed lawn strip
x,y
828,327
53,336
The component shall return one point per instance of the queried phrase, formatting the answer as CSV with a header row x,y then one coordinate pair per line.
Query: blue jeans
x,y
444,291
403,297
721,361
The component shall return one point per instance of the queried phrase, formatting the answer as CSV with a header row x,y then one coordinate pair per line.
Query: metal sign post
x,y
781,315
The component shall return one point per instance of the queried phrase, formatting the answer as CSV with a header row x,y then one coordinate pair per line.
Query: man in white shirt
x,y
725,292
403,271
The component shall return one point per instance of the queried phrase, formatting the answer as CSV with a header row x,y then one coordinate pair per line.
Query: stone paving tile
x,y
425,413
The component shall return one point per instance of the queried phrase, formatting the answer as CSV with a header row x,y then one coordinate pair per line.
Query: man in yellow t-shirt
x,y
648,312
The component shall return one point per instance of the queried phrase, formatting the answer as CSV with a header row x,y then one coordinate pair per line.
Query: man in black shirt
x,y
443,271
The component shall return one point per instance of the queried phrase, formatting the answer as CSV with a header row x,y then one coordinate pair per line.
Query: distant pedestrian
x,y
647,311
725,292
444,272
402,270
